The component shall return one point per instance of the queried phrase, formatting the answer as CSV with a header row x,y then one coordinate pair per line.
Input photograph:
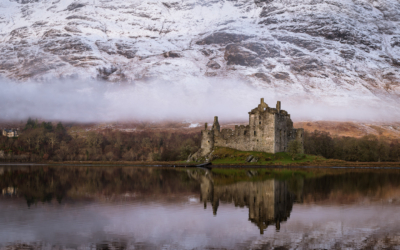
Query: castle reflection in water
x,y
269,202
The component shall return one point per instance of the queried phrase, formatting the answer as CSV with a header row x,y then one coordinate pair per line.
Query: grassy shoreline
x,y
327,164
231,158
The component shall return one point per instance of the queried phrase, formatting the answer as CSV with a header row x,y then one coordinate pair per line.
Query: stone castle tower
x,y
270,130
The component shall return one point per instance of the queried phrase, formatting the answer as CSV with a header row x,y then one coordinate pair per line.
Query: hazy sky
x,y
191,99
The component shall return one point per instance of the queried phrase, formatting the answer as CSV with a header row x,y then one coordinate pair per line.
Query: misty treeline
x,y
43,141
46,141
368,148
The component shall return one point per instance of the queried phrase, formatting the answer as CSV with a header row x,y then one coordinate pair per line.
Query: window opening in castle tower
x,y
254,132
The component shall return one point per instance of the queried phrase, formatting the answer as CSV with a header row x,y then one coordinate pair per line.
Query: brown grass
x,y
353,129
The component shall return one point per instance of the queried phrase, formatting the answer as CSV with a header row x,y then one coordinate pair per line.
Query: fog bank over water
x,y
190,99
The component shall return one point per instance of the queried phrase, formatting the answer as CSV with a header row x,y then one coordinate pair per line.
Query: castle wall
x,y
269,130
262,125
207,141
238,139
284,131
259,135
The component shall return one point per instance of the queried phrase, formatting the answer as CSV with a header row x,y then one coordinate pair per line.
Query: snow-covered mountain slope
x,y
328,49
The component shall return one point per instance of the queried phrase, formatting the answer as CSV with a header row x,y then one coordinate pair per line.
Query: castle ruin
x,y
270,130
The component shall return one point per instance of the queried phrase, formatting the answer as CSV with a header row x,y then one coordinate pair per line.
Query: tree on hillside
x,y
47,125
395,151
39,137
60,127
383,151
294,148
28,137
52,139
94,140
30,124
319,143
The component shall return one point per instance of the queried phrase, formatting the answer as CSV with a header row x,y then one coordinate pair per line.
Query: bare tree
x,y
52,139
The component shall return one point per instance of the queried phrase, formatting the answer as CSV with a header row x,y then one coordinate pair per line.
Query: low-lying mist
x,y
190,99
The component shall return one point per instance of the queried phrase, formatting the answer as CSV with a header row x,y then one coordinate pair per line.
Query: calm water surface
x,y
45,207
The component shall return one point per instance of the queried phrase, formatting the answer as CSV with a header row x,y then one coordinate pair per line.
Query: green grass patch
x,y
228,156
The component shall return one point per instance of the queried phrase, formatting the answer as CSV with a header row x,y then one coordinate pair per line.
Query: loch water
x,y
103,207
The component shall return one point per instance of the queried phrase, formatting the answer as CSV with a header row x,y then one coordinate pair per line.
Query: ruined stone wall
x,y
216,126
238,139
207,140
270,130
259,135
262,123
284,131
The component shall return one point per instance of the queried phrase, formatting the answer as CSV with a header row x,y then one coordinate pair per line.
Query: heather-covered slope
x,y
331,50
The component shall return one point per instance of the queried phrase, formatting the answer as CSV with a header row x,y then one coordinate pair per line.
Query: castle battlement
x,y
270,130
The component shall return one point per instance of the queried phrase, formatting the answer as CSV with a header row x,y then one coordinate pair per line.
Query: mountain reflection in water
x,y
44,207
